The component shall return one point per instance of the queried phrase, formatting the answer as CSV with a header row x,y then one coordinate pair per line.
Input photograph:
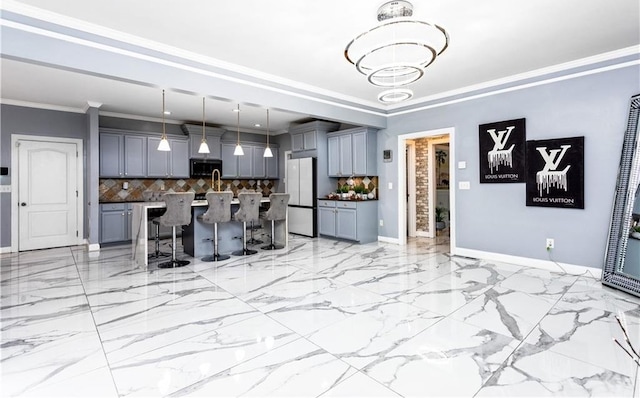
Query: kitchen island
x,y
198,235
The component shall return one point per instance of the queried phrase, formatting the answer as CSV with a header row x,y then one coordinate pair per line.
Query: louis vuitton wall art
x,y
502,151
555,173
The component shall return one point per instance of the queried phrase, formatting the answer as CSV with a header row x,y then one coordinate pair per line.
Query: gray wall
x,y
493,217
31,121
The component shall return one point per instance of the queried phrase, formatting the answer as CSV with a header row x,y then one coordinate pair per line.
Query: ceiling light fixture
x,y
396,52
204,147
238,151
164,143
267,150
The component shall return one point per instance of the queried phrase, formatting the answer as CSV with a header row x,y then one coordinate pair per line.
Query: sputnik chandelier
x,y
396,52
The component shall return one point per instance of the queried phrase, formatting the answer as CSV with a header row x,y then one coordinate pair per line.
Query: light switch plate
x,y
462,164
5,188
464,185
390,185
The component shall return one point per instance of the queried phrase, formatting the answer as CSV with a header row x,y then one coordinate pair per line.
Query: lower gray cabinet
x,y
351,220
115,222
327,217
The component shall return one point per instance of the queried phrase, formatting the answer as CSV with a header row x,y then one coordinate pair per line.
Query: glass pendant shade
x,y
238,151
204,147
164,143
267,150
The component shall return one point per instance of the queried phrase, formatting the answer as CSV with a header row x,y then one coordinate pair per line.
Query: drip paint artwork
x,y
555,173
502,151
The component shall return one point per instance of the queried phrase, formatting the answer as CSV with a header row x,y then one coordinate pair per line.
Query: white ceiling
x,y
300,43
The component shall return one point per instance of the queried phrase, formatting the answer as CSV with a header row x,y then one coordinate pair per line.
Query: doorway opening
x,y
427,197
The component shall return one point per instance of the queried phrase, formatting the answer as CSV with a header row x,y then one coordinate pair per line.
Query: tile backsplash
x,y
371,183
111,190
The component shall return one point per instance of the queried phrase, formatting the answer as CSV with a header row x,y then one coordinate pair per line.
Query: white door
x,y
48,202
293,181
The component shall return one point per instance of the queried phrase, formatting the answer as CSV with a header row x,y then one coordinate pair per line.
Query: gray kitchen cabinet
x,y
351,220
252,164
229,161
245,162
135,150
304,137
352,152
171,164
340,155
271,164
212,136
327,218
258,162
346,222
115,222
111,155
122,155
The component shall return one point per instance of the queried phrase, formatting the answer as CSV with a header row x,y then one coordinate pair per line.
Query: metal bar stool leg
x,y
157,253
215,256
253,241
174,262
272,245
244,251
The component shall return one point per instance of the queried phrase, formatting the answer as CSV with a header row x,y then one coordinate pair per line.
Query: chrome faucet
x,y
213,178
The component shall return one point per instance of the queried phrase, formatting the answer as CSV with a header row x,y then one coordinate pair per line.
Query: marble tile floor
x,y
320,318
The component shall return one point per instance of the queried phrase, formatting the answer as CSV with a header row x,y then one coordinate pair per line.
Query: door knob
x,y
23,204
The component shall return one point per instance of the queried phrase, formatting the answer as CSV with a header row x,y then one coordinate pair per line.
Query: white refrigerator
x,y
301,186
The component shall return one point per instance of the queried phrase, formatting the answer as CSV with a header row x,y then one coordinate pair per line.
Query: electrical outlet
x,y
550,244
381,223
5,188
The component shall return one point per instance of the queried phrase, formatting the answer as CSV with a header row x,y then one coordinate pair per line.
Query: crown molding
x,y
37,105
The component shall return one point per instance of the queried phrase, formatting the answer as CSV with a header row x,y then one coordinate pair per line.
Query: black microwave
x,y
204,167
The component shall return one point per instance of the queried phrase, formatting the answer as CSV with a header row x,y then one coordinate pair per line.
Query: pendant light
x,y
164,143
238,151
204,147
267,150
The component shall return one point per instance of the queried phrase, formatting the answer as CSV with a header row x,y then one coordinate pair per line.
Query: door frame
x,y
402,175
411,188
15,184
431,184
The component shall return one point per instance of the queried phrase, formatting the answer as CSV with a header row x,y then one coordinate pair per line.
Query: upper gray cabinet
x,y
122,155
252,164
171,164
352,152
212,136
304,137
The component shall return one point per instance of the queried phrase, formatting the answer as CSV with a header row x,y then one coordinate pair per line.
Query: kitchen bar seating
x,y
219,211
154,217
277,212
249,211
178,214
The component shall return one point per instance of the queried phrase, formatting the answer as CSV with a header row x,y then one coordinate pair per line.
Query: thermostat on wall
x,y
386,155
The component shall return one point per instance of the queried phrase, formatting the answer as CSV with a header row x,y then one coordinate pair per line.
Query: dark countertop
x,y
349,200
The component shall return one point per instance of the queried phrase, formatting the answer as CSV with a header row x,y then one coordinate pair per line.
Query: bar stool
x,y
248,211
154,216
219,211
277,212
178,214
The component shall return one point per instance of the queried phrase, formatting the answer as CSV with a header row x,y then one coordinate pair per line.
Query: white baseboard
x,y
5,249
530,262
93,247
423,234
388,240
